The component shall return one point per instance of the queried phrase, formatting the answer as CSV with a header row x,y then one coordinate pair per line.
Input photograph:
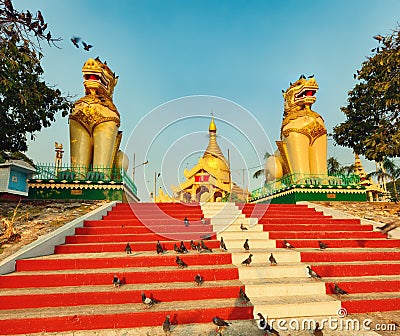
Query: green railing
x,y
306,181
80,173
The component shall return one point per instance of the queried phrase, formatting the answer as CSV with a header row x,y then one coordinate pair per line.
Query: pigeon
x,y
180,263
186,222
317,330
389,227
246,245
242,227
193,245
272,260
378,37
205,247
242,296
177,249
198,247
286,244
86,46
247,261
220,323
116,281
159,248
183,248
203,220
322,245
167,325
149,302
338,290
263,324
198,279
313,274
75,41
222,244
128,249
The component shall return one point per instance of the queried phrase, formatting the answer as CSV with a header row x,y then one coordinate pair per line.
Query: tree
x,y
372,125
387,170
334,167
27,103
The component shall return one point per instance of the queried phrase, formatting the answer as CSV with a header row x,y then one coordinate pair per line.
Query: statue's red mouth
x,y
305,93
95,78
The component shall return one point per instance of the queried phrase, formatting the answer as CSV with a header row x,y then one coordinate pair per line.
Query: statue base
x,y
295,194
40,190
81,183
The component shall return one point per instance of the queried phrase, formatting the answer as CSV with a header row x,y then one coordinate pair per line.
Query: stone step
x,y
286,270
239,234
267,288
295,306
261,257
253,243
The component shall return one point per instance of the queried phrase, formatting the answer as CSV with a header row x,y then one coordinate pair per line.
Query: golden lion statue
x,y
303,145
94,121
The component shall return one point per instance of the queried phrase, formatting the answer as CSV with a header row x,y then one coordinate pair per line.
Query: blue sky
x,y
245,52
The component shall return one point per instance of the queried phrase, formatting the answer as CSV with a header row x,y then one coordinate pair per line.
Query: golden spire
x,y
212,127
213,148
358,167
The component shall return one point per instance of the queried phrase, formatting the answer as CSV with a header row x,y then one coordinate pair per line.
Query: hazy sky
x,y
244,52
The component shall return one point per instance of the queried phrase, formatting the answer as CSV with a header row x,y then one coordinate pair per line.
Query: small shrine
x,y
210,179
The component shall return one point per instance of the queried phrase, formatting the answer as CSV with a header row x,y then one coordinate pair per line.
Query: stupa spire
x,y
213,148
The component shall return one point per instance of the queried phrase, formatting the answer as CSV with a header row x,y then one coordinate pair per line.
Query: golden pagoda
x,y
210,179
373,189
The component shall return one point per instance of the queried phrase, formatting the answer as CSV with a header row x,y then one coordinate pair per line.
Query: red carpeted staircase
x,y
72,289
360,261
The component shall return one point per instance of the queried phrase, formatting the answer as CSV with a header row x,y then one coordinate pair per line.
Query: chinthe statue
x,y
303,145
94,121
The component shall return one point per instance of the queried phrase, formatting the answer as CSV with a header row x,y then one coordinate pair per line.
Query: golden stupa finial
x,y
212,127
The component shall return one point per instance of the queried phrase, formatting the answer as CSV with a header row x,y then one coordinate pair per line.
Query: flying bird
x,y
222,244
317,330
116,281
322,245
75,41
180,263
86,46
242,296
159,248
242,227
183,248
313,274
263,324
389,227
247,261
311,76
338,290
198,279
378,37
220,323
128,249
246,245
205,247
149,302
167,326
286,244
272,260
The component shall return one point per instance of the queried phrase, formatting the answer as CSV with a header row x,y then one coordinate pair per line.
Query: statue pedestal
x,y
300,187
63,183
293,195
